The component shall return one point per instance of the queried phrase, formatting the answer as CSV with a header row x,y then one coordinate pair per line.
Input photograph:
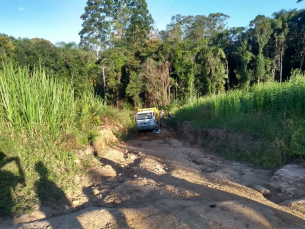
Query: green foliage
x,y
32,103
205,57
95,26
78,67
65,62
115,61
6,48
140,23
260,67
151,49
183,64
211,70
271,113
37,52
244,56
261,31
109,22
134,89
42,125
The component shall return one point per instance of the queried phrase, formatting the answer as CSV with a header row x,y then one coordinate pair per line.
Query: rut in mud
x,y
159,181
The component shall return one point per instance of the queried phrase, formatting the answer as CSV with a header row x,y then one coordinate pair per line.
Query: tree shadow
x,y
208,196
162,205
46,189
49,194
8,183
118,216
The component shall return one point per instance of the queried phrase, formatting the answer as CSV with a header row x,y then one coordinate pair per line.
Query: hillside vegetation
x,y
272,113
42,125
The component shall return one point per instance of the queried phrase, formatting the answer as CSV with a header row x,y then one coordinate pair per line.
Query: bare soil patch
x,y
160,181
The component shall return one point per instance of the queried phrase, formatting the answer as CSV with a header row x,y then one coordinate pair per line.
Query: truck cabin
x,y
145,115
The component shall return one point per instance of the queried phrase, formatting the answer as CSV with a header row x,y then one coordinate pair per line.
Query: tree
x,y
151,49
196,28
212,69
78,67
297,36
138,23
156,82
115,59
245,57
217,23
280,32
96,27
261,31
6,47
241,53
37,52
175,28
135,85
107,22
183,56
66,46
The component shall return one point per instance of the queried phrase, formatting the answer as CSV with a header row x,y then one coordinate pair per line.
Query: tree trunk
x,y
176,89
281,70
169,95
96,46
228,80
275,58
105,102
273,70
96,49
302,55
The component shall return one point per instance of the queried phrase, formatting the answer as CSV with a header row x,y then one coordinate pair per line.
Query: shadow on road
x,y
48,193
209,199
8,183
161,206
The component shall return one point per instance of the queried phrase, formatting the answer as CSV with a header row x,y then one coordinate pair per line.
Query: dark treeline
x,y
195,56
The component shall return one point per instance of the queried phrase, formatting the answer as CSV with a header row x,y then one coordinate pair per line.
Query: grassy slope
x,y
42,125
271,114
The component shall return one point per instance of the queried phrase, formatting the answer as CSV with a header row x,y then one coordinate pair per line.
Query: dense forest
x,y
195,56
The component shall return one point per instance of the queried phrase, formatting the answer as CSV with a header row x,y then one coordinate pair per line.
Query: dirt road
x,y
159,181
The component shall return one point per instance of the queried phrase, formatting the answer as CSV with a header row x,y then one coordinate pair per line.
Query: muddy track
x,y
159,181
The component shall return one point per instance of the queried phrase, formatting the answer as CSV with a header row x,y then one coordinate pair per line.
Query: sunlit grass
x,y
272,113
42,121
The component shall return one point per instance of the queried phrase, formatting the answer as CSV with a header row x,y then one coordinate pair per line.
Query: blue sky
x,y
59,20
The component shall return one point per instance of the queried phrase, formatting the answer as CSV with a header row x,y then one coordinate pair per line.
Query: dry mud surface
x,y
159,181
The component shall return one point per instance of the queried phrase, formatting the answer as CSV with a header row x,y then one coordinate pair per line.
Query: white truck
x,y
148,119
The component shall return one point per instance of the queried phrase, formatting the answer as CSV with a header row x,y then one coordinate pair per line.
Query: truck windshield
x,y
144,116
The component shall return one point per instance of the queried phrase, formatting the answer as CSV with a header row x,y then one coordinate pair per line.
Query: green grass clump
x,y
31,101
271,113
42,125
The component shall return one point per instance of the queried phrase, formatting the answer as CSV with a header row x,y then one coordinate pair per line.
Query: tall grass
x,y
30,100
271,112
270,98
43,122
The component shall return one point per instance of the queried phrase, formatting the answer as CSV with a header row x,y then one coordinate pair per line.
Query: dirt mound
x,y
105,138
